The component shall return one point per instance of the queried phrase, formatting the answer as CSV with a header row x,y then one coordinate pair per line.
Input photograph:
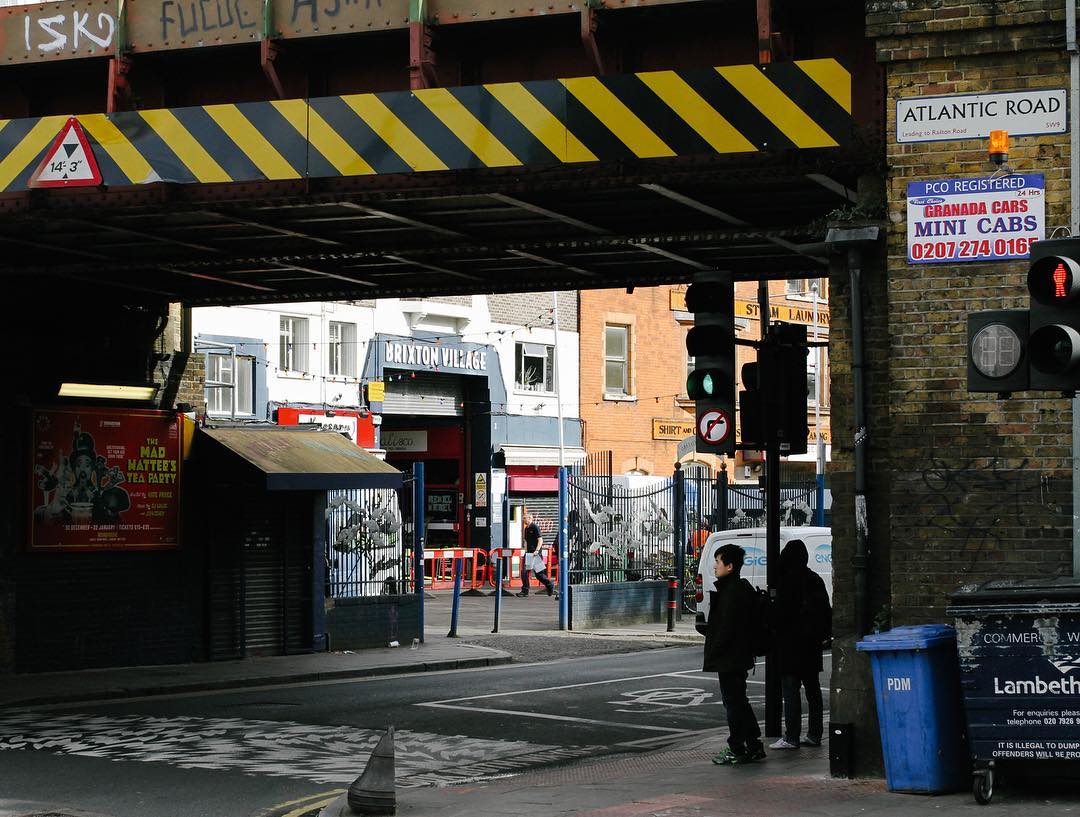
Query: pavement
x,y
675,781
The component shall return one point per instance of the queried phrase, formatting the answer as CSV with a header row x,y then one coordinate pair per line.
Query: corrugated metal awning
x,y
305,460
540,454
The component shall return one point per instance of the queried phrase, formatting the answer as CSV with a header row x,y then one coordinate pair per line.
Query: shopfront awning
x,y
540,455
306,460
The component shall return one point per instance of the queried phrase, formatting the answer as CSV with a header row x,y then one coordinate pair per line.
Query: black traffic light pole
x,y
773,694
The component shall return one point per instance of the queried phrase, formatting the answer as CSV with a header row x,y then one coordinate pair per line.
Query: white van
x,y
818,543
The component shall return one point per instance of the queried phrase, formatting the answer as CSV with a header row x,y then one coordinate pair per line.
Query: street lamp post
x,y
819,469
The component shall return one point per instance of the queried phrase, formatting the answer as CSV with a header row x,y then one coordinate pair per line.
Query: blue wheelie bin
x,y
917,688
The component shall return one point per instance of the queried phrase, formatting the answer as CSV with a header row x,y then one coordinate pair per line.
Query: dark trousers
x,y
540,577
793,686
742,722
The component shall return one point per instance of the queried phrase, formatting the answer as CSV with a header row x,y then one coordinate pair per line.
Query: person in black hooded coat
x,y
803,625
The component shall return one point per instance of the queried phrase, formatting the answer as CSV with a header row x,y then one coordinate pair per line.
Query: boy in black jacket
x,y
729,654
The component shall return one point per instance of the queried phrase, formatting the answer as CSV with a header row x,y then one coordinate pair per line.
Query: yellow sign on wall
x,y
376,391
672,429
789,313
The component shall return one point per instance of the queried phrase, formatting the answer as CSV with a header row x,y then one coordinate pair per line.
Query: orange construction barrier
x,y
513,559
439,568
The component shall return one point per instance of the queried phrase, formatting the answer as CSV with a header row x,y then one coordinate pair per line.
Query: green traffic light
x,y
703,383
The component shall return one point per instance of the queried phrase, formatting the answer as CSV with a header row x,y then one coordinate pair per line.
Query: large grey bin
x,y
1019,649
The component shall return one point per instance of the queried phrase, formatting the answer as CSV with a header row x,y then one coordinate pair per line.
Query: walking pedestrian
x,y
803,626
534,558
730,654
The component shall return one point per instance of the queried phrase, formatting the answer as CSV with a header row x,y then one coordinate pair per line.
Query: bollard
x,y
672,590
459,568
498,592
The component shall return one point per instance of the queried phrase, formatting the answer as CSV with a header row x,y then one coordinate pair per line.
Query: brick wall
x,y
524,308
962,488
657,373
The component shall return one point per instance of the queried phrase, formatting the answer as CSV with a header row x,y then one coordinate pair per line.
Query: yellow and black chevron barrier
x,y
733,109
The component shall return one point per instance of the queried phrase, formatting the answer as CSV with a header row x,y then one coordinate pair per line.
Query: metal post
x,y
459,568
819,468
680,527
862,532
722,498
498,593
1074,223
672,592
564,561
418,541
772,511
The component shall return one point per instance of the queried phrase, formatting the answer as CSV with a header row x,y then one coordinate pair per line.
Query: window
x,y
796,286
292,351
222,381
534,367
341,360
617,361
817,355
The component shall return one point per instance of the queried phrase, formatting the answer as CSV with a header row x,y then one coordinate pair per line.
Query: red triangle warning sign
x,y
69,162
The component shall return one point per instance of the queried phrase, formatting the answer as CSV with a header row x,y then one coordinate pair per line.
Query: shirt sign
x,y
973,116
985,219
671,429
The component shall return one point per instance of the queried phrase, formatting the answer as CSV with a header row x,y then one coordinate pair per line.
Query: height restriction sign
x,y
69,161
713,426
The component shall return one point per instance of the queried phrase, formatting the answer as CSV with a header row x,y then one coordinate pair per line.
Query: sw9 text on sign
x,y
984,219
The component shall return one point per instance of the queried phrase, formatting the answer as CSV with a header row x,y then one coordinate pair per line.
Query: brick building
x,y
960,487
634,366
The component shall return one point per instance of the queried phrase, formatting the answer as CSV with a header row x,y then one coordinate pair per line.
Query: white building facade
x,y
475,387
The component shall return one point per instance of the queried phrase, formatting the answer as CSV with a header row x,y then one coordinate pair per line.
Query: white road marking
x,y
321,754
547,717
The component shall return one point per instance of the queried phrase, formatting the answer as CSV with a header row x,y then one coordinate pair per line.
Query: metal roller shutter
x,y
427,393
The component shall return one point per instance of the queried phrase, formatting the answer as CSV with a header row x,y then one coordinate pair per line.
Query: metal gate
x,y
367,550
618,533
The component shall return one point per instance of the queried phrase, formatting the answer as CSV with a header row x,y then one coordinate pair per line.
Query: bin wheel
x,y
982,786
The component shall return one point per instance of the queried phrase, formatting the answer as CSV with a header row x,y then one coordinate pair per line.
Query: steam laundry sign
x,y
973,116
986,219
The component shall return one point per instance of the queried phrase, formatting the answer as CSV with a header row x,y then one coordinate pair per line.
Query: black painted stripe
x,y
427,127
590,131
111,174
359,135
654,112
217,143
518,139
737,110
813,99
158,154
12,134
292,146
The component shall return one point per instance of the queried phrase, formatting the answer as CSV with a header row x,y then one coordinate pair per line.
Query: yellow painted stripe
x,y
540,122
311,805
120,150
792,121
832,77
394,132
323,138
617,118
185,146
39,137
254,145
696,112
467,128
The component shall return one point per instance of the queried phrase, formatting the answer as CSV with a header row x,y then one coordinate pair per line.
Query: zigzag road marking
x,y
332,755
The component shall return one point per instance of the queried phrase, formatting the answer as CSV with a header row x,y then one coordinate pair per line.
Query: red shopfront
x,y
442,450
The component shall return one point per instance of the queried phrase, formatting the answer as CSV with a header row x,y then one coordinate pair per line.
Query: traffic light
x,y
752,407
1054,314
788,386
772,406
711,385
997,351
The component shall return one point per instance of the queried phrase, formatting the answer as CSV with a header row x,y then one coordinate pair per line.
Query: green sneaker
x,y
726,757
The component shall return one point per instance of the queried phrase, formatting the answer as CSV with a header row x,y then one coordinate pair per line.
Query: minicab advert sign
x,y
985,219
